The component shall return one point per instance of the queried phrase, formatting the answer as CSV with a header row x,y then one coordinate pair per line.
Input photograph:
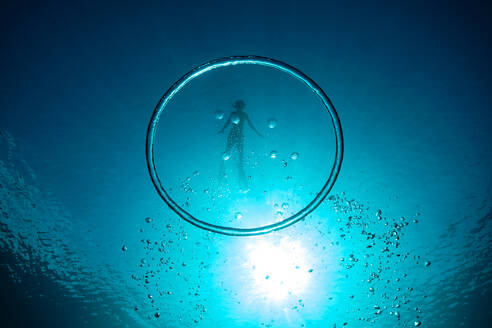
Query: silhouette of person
x,y
235,139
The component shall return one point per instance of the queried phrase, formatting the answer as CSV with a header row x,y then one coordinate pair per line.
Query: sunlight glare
x,y
279,269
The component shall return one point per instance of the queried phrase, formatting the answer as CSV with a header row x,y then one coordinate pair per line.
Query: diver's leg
x,y
243,182
229,145
221,171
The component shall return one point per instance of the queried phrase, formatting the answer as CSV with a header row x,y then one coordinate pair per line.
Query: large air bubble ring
x,y
242,60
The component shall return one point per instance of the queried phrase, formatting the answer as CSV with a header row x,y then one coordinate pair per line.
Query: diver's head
x,y
239,105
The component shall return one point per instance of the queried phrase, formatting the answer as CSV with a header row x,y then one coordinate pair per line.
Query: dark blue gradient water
x,y
402,240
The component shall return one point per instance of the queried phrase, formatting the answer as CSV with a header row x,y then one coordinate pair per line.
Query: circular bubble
x,y
219,115
243,60
272,123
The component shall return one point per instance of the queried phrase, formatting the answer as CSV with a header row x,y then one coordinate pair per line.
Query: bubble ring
x,y
231,61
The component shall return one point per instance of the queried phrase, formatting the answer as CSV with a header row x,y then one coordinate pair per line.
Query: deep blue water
x,y
402,240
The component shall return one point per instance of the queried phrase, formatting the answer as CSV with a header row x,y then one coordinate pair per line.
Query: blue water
x,y
402,240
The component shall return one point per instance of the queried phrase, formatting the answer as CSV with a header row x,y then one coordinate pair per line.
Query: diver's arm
x,y
252,127
226,124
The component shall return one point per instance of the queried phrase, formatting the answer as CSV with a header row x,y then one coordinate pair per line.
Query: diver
x,y
235,139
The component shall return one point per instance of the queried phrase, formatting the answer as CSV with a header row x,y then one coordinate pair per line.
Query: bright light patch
x,y
279,269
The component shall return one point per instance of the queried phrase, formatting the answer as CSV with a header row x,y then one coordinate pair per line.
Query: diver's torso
x,y
237,120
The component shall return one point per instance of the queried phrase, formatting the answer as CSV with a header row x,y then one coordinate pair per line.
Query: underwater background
x,y
402,240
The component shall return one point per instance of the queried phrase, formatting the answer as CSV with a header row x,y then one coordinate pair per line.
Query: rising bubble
x,y
219,115
272,123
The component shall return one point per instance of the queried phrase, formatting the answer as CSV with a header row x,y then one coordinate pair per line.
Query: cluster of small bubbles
x,y
159,260
379,238
377,259
273,154
186,185
226,156
219,115
294,156
238,215
272,123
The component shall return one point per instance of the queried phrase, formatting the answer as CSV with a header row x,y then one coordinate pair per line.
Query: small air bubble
x,y
272,123
219,115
